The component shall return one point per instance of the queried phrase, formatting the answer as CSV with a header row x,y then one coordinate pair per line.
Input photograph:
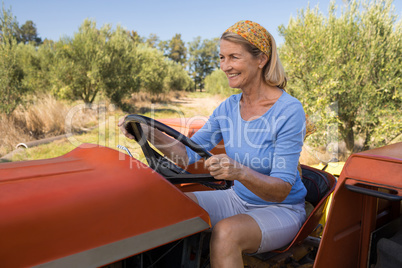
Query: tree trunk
x,y
348,135
366,144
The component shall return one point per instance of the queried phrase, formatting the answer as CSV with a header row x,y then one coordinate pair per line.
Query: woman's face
x,y
242,69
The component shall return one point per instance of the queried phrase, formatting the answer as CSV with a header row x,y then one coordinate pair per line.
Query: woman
x,y
263,130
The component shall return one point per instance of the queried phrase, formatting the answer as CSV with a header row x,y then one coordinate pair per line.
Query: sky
x,y
206,18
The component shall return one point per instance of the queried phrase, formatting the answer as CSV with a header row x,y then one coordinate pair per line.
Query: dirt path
x,y
199,106
208,102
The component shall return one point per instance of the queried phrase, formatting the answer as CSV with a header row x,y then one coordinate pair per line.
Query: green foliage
x,y
153,69
159,74
204,58
163,46
134,36
36,63
121,69
96,61
174,49
217,83
177,49
28,33
12,88
25,34
153,40
80,61
177,78
346,70
8,25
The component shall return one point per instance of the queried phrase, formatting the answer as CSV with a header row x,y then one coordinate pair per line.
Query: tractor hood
x,y
88,208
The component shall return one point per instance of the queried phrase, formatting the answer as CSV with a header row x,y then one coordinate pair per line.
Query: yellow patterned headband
x,y
253,33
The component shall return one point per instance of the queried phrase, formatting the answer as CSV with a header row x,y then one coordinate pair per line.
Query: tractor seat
x,y
319,185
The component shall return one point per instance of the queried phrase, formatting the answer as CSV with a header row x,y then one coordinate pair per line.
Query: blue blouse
x,y
269,144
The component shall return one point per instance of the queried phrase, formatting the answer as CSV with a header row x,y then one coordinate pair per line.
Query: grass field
x,y
103,120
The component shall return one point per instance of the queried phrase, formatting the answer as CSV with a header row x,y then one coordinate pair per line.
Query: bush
x,y
217,83
177,78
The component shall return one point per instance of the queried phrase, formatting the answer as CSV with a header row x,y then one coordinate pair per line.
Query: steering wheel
x,y
164,166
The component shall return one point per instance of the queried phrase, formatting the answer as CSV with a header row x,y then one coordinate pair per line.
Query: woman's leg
x,y
231,237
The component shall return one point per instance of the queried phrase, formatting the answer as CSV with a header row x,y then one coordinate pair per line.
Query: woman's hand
x,y
222,167
123,129
169,147
145,129
271,189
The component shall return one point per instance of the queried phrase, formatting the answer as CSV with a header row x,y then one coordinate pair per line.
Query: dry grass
x,y
11,134
46,117
45,114
43,117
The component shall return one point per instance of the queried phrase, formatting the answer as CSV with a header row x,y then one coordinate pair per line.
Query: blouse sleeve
x,y
291,129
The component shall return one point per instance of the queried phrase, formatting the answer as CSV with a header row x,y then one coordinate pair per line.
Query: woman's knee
x,y
240,232
224,231
224,239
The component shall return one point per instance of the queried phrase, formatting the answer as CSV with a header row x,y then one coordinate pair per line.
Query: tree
x,y
96,61
177,78
350,64
135,37
164,47
204,58
28,33
25,34
37,63
153,69
153,40
12,88
158,74
121,67
8,25
177,49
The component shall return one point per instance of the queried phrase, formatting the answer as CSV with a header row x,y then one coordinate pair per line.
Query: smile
x,y
233,75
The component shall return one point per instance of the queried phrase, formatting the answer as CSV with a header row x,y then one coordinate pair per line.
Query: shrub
x,y
217,83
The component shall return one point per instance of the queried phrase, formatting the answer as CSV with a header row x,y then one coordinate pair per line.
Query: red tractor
x,y
96,206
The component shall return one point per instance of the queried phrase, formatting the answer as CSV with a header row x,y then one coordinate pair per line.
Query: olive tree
x,y
12,88
153,69
349,64
96,61
204,58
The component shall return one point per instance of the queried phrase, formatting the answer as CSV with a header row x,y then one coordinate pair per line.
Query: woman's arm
x,y
268,188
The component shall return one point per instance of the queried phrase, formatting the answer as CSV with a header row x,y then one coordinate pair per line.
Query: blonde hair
x,y
273,71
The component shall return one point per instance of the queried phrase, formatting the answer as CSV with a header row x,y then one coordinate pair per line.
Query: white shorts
x,y
279,223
